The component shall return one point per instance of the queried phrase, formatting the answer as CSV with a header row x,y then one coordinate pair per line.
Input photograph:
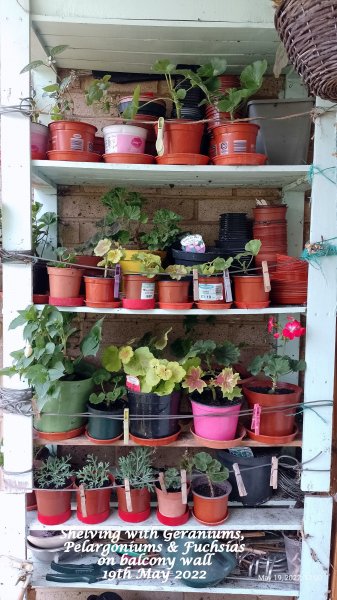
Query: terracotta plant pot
x,y
173,292
170,504
97,504
53,507
263,214
64,283
72,135
99,289
235,137
279,423
221,428
182,137
89,261
139,292
249,289
211,289
208,510
141,508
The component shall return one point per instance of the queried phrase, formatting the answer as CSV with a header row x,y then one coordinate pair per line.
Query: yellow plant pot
x,y
129,266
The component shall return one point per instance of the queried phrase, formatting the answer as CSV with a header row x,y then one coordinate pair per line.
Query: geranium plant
x,y
218,265
245,259
112,388
178,271
275,365
110,252
251,80
165,230
204,464
150,264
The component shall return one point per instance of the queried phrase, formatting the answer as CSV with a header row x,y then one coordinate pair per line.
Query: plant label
x,y
132,383
210,292
227,286
255,426
126,422
82,500
239,481
183,486
128,495
162,482
274,472
117,281
266,278
195,285
147,291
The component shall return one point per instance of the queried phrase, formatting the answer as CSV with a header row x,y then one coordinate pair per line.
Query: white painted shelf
x,y
253,519
85,173
272,310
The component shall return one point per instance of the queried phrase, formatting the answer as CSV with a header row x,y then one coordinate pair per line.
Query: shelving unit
x,y
130,38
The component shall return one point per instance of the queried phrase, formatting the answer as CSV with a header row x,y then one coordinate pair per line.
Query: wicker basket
x,y
308,30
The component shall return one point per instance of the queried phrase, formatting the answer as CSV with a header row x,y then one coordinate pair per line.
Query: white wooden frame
x,y
321,313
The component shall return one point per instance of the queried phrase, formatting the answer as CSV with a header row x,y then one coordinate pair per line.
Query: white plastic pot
x,y
124,139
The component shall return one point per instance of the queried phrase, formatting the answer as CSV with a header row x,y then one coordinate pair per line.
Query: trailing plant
x,y
111,252
275,365
58,93
41,224
45,360
94,473
150,264
245,259
53,473
211,468
165,231
251,80
65,257
136,467
115,383
218,265
124,208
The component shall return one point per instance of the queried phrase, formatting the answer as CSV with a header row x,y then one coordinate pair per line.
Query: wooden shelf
x,y
272,310
185,440
48,172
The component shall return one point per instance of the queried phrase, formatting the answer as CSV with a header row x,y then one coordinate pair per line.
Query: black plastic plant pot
x,y
101,428
40,278
181,257
151,405
255,480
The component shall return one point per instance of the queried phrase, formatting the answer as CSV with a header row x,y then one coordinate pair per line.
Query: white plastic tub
x,y
124,139
284,141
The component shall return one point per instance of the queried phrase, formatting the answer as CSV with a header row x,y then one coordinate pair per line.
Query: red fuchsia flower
x,y
293,329
271,324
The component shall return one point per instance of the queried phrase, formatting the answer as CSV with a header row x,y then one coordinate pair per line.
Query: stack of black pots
x,y
235,230
191,109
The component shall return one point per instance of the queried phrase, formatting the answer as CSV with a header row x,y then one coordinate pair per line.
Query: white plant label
x,y
147,291
210,291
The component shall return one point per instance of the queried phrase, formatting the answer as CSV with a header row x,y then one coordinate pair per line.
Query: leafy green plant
x,y
54,473
111,256
245,259
136,467
251,80
165,230
212,355
41,224
275,366
218,265
150,264
58,93
178,271
211,468
172,479
65,257
116,391
45,360
98,94
94,473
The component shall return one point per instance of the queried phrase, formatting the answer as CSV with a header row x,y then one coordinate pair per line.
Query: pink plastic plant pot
x,y
215,428
124,139
38,141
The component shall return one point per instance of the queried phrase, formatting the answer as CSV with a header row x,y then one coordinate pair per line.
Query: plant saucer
x,y
133,158
175,305
272,439
101,442
211,524
173,521
66,301
220,444
165,441
115,304
214,305
73,155
182,158
240,158
251,304
58,436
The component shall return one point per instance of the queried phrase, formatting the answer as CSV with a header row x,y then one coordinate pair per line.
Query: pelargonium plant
x,y
111,253
275,365
226,381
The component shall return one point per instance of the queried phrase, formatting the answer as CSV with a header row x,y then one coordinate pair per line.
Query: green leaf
x,y
91,342
97,398
253,247
32,65
53,87
101,376
17,322
160,342
252,76
110,359
57,371
226,354
139,363
181,94
164,66
58,49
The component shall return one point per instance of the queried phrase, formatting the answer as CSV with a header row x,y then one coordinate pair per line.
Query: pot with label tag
x,y
139,292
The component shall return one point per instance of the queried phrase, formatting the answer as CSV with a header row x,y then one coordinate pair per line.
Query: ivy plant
x,y
45,360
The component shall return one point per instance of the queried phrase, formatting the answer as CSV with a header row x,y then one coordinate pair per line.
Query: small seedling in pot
x,y
65,257
54,473
218,265
136,467
251,80
212,469
245,259
94,474
110,397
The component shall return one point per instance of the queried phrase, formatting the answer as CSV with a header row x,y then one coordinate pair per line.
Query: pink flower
x,y
276,336
193,381
293,329
271,324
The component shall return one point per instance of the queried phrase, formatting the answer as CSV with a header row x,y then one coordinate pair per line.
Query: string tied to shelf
x,y
18,402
